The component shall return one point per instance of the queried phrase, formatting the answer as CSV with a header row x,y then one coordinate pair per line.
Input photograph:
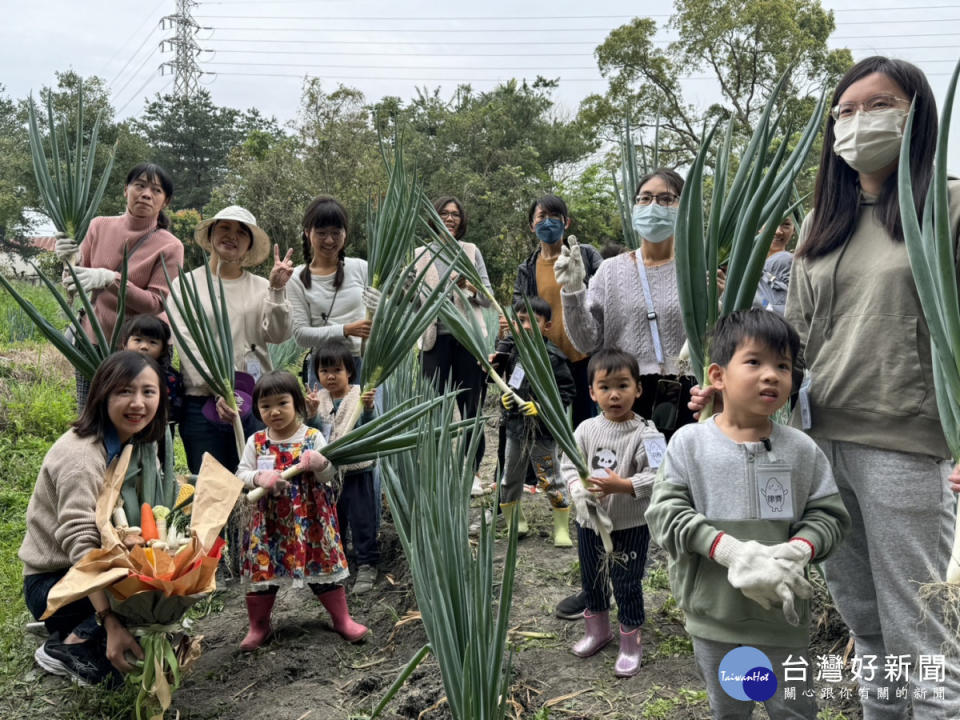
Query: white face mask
x,y
869,141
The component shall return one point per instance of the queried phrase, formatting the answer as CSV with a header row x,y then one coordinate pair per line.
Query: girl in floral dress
x,y
293,536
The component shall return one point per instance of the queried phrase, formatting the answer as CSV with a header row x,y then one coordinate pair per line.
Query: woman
x,y
259,314
127,404
143,232
548,220
326,294
446,362
871,404
633,304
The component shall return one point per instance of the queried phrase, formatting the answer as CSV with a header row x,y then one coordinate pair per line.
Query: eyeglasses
x,y
450,214
661,199
877,103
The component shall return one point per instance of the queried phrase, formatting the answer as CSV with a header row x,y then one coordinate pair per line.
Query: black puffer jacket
x,y
526,284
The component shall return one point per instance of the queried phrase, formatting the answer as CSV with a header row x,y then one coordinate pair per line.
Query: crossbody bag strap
x,y
651,311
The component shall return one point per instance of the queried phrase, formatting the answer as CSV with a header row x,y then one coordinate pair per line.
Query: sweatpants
x,y
357,509
449,365
625,571
542,455
794,699
902,512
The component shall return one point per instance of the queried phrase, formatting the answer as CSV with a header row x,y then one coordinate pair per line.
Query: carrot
x,y
148,524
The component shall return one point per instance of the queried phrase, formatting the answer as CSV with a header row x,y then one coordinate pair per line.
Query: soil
x,y
308,671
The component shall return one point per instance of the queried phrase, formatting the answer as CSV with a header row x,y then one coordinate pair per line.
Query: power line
x,y
326,28
414,42
401,79
417,19
137,93
133,35
405,67
136,73
135,53
340,53
898,21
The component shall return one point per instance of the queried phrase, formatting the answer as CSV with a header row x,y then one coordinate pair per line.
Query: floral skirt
x,y
295,536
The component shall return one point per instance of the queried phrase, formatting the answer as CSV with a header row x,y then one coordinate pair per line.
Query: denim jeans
x,y
78,617
199,435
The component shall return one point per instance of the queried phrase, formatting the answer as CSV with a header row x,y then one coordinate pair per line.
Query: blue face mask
x,y
549,230
654,223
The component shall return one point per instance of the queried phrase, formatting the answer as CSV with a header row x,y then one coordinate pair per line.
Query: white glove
x,y
754,571
583,500
65,246
568,270
90,279
794,555
371,299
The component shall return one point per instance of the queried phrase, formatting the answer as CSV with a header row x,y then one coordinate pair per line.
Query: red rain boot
x,y
335,601
259,606
597,635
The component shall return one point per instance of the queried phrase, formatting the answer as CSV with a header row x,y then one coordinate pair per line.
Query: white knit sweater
x,y
612,313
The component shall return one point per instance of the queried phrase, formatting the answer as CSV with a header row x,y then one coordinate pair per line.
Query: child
x,y
293,534
150,335
527,441
330,407
623,451
741,506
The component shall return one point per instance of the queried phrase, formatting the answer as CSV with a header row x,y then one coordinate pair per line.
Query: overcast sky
x,y
394,47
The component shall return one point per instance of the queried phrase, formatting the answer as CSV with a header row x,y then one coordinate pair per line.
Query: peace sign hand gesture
x,y
282,269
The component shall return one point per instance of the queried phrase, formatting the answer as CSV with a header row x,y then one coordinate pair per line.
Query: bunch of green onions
x,y
85,355
743,218
465,620
933,263
65,191
630,173
213,339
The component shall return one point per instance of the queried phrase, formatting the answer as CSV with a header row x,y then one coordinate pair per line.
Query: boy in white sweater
x,y
623,451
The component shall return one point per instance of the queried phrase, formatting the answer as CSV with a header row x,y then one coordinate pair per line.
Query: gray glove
x,y
65,246
90,279
568,269
754,571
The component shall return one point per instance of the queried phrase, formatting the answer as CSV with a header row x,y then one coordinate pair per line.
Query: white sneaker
x,y
478,489
366,577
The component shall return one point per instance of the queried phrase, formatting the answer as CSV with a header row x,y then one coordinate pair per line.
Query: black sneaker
x,y
572,607
74,661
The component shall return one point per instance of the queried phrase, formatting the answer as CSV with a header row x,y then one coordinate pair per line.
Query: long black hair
x,y
154,173
324,211
442,202
836,195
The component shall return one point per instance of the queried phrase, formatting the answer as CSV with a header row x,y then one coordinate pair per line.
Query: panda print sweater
x,y
623,448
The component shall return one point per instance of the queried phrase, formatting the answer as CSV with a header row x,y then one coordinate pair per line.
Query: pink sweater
x,y
146,286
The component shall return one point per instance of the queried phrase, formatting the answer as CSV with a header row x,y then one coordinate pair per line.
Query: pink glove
x,y
270,480
312,461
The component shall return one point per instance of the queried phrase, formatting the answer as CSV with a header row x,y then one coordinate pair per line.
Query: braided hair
x,y
324,211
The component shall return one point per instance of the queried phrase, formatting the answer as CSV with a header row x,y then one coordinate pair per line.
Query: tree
x,y
745,44
192,139
15,171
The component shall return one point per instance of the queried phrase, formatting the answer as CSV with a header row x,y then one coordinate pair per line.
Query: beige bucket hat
x,y
259,249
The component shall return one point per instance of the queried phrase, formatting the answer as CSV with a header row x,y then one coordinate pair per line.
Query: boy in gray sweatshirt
x,y
741,505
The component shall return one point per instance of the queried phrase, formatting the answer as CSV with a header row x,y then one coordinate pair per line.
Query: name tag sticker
x,y
775,492
266,462
516,377
655,447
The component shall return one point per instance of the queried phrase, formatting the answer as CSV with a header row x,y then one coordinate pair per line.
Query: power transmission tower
x,y
184,66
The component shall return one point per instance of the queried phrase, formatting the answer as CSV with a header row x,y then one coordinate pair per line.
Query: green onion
x,y
743,218
213,340
65,192
630,176
932,261
465,621
85,356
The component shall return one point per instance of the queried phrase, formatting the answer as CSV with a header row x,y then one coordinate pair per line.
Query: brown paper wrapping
x,y
126,572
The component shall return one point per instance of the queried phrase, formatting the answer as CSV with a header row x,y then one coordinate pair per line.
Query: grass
x,y
15,326
664,708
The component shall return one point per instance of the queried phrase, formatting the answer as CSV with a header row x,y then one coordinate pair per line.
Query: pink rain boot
x,y
597,635
631,653
259,606
335,601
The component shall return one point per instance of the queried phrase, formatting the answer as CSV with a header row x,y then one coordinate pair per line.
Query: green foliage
x,y
192,139
665,708
15,323
745,44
